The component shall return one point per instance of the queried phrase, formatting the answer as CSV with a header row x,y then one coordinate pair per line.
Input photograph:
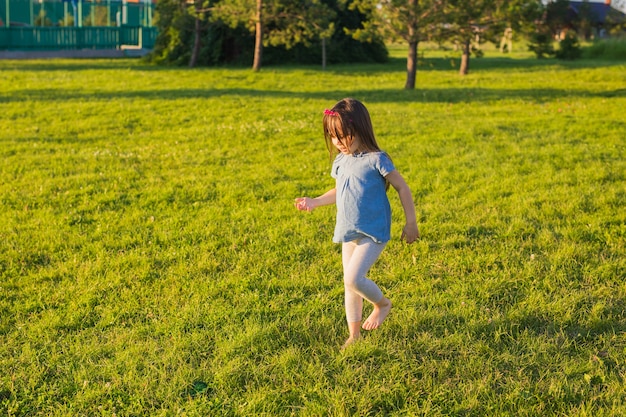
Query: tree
x,y
408,20
540,42
557,16
615,22
189,33
258,39
520,16
552,20
276,22
198,14
469,23
569,48
585,21
173,21
340,45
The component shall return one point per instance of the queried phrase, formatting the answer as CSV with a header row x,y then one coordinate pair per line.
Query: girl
x,y
362,173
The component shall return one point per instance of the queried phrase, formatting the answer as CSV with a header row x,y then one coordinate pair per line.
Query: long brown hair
x,y
347,120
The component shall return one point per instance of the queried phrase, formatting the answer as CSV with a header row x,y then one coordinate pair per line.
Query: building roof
x,y
599,11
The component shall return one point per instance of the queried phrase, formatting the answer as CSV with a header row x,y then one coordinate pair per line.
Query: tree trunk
x,y
197,38
258,41
465,58
411,66
323,53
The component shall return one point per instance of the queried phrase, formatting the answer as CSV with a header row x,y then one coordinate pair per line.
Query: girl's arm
x,y
310,204
410,232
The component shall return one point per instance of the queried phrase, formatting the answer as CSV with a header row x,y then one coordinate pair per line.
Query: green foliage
x,y
569,47
521,15
557,16
606,49
174,23
548,22
227,38
152,262
469,24
480,21
294,22
340,48
408,21
284,23
585,21
541,43
616,23
345,48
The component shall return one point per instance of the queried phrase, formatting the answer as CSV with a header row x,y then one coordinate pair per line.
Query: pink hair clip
x,y
330,113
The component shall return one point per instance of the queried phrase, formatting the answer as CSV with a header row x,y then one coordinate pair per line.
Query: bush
x,y
341,48
607,49
541,44
222,44
174,40
569,48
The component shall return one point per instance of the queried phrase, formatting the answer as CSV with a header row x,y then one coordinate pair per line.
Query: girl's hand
x,y
304,204
410,233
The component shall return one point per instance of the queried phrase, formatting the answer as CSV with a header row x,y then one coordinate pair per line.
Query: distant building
x,y
598,11
592,19
619,5
103,13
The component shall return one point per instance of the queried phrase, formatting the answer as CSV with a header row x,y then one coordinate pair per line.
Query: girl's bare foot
x,y
351,340
381,310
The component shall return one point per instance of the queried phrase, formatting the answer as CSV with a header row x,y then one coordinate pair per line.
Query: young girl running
x,y
362,173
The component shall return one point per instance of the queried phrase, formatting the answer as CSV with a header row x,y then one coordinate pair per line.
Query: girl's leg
x,y
358,258
353,301
355,333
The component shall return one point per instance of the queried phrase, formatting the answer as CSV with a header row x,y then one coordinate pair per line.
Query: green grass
x,y
612,48
152,262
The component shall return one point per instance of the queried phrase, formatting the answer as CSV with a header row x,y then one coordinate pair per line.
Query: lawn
x,y
152,262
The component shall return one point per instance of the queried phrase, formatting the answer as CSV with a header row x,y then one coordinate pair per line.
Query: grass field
x,y
152,262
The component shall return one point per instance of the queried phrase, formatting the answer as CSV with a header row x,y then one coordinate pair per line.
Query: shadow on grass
x,y
368,94
503,62
394,64
419,95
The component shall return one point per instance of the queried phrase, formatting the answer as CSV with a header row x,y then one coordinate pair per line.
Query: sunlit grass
x,y
152,262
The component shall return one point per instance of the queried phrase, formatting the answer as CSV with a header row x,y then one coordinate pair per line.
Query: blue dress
x,y
362,204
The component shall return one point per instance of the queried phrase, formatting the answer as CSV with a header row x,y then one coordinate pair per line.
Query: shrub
x,y
607,48
541,44
222,44
569,47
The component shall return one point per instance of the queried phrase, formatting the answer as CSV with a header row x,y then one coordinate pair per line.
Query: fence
x,y
60,38
76,24
76,12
